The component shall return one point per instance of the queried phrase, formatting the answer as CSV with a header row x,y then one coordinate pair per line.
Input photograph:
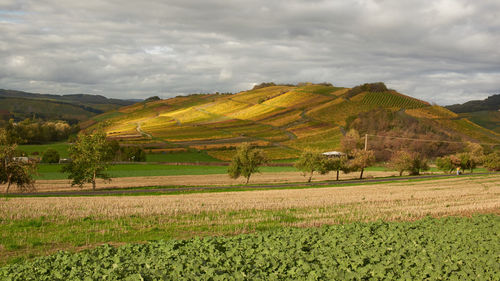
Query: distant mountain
x,y
483,112
490,103
73,108
286,119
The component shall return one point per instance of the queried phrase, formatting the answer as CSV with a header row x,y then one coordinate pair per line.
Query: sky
x,y
441,51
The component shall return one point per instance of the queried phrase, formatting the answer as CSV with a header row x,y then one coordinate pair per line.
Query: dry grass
x,y
313,206
200,180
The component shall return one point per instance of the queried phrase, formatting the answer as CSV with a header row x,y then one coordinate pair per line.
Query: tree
x,y
492,161
310,162
351,141
89,155
336,164
361,160
400,161
473,156
51,156
246,161
133,153
447,163
14,171
410,162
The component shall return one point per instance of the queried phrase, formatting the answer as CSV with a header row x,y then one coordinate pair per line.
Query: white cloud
x,y
443,51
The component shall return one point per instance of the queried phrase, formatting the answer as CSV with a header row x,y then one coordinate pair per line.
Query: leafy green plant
x,y
51,156
429,249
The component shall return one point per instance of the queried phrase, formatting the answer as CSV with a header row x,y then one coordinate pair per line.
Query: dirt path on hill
x,y
140,131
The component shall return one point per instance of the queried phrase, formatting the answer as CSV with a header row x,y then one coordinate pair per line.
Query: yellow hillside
x,y
281,119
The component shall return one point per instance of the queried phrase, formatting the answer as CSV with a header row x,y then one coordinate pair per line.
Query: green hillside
x,y
285,119
73,108
485,113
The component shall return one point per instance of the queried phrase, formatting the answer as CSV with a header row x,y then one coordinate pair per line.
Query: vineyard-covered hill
x,y
282,119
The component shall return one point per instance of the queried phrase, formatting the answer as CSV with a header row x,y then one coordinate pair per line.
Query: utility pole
x,y
366,142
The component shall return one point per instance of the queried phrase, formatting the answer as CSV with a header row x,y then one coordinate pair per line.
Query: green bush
x,y
492,161
133,153
51,156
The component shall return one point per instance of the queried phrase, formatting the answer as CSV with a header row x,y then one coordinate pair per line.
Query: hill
x,y
73,108
285,119
483,112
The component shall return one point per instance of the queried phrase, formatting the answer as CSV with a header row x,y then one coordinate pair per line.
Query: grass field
x,y
34,226
186,156
53,171
61,147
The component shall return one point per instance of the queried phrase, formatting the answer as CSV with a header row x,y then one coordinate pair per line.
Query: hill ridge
x,y
282,119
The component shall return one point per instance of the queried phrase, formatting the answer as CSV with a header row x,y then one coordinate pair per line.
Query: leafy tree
x,y
89,155
351,141
14,171
51,156
133,153
468,160
362,159
310,162
113,152
446,163
400,161
336,164
150,99
492,161
473,156
246,161
410,162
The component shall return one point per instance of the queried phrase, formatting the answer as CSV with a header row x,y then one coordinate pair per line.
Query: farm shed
x,y
333,154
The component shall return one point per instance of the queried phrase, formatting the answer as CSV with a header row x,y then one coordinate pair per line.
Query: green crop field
x,y
387,99
61,147
185,156
53,171
434,249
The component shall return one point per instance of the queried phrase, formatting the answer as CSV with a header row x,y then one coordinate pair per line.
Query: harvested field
x,y
317,205
199,180
34,226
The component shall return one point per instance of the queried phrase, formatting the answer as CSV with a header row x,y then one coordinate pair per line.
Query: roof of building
x,y
333,153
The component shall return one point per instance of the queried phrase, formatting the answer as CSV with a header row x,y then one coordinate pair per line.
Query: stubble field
x,y
37,225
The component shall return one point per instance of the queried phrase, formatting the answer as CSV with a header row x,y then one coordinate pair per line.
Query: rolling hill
x,y
482,112
285,119
73,108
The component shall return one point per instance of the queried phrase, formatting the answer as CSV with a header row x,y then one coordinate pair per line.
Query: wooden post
x,y
366,142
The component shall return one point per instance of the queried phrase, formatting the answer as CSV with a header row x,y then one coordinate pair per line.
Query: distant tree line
x,y
38,132
377,87
300,84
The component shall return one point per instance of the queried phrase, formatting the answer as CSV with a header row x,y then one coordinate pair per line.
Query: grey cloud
x,y
443,51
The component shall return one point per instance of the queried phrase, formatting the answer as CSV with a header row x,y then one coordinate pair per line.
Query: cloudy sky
x,y
443,51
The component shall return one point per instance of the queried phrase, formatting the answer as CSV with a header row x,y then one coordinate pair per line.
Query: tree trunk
x,y
401,173
337,174
310,177
248,179
93,182
361,175
8,186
